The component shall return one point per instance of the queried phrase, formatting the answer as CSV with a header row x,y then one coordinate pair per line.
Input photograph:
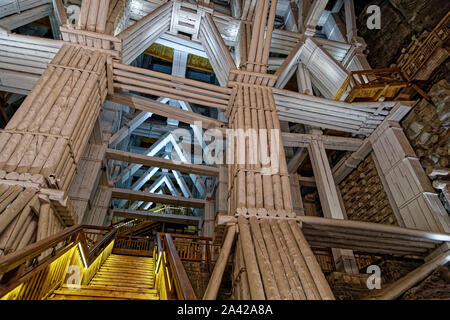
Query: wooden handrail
x,y
181,277
99,246
27,264
15,259
176,235
20,256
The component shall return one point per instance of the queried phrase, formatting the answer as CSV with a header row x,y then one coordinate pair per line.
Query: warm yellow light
x,y
82,256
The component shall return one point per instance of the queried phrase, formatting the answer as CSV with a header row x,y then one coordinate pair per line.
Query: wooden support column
x,y
314,14
216,277
334,28
419,205
297,201
208,219
329,199
328,74
303,79
179,70
355,59
222,191
350,20
289,65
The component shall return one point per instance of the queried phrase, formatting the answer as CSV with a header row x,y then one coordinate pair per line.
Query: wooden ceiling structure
x,y
57,153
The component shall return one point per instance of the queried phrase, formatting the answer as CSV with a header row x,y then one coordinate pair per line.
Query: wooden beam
x,y
297,160
331,142
149,105
26,17
314,13
157,198
216,276
307,181
162,217
60,11
161,163
287,68
128,128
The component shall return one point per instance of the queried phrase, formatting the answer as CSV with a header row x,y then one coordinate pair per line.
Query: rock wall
x,y
364,197
400,20
435,286
354,287
198,274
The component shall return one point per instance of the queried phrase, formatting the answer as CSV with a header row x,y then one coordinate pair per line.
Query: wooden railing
x,y
172,281
372,84
35,271
137,228
196,248
134,245
325,259
436,39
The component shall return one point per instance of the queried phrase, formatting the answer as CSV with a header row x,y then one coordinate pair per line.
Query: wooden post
x,y
216,277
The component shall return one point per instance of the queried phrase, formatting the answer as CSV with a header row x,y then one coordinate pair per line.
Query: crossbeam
x,y
162,217
132,195
149,105
161,163
162,85
331,142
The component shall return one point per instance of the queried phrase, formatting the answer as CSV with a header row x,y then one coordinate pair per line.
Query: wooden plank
x,y
161,163
146,104
157,198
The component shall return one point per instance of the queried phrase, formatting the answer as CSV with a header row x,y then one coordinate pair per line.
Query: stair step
x,y
125,281
115,288
107,294
130,267
72,297
121,284
128,274
129,264
129,270
130,258
119,277
142,260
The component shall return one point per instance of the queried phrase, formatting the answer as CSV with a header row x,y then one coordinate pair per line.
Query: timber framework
x,y
153,137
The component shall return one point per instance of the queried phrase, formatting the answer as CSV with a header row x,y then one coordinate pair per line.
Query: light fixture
x,y
82,255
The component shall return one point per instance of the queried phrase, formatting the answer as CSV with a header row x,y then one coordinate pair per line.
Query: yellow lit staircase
x,y
121,277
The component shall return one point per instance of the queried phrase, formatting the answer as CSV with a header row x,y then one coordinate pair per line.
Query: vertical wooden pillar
x,y
304,79
350,19
329,198
208,219
297,201
222,191
314,14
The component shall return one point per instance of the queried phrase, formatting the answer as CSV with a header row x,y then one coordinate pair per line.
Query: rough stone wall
x,y
364,197
427,127
354,287
435,286
198,275
400,20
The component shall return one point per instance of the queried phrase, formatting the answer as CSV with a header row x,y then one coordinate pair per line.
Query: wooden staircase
x,y
121,277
